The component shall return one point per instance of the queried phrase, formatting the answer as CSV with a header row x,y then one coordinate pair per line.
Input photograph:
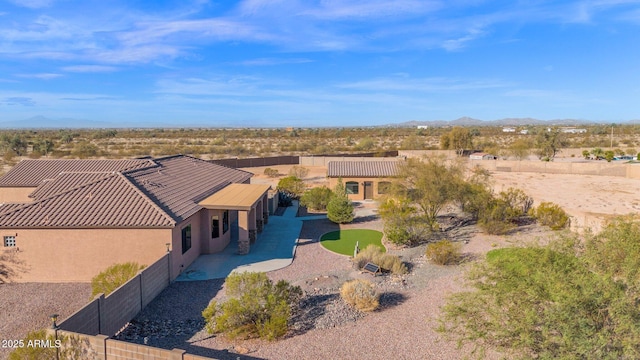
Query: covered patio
x,y
250,201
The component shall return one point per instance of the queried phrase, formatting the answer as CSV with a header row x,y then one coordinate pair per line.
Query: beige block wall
x,y
360,195
15,194
76,255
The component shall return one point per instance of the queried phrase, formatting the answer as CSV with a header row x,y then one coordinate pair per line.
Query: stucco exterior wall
x,y
360,180
16,194
180,260
76,255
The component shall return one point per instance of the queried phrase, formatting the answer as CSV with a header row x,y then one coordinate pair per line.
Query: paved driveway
x,y
273,250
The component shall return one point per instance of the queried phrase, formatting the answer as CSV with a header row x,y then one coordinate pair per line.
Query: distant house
x,y
508,129
572,130
524,131
363,179
423,126
482,156
67,220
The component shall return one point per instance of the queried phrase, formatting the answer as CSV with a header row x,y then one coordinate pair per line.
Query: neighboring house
x,y
482,156
508,129
362,179
67,220
524,131
571,130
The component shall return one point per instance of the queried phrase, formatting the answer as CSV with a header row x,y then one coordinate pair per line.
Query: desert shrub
x,y
316,198
298,171
113,277
444,252
501,213
292,186
552,215
387,262
256,307
271,172
403,225
360,294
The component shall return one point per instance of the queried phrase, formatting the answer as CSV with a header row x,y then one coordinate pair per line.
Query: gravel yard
x,y
326,328
25,307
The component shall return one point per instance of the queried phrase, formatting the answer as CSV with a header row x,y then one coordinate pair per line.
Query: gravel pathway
x,y
25,307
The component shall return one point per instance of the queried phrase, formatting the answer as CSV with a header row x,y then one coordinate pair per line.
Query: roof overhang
x,y
236,197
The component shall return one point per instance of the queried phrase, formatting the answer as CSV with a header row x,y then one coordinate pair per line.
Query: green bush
x,y
340,208
291,186
387,262
551,215
360,294
316,198
255,308
113,277
444,252
272,173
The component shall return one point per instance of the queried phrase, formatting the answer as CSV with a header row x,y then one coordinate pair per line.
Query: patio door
x,y
368,190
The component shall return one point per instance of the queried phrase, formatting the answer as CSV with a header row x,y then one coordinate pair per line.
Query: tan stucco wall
x,y
360,195
15,194
181,261
76,255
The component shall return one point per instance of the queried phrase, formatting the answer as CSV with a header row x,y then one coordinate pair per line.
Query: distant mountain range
x,y
42,122
467,121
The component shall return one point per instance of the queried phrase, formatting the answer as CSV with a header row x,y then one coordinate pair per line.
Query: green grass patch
x,y
344,241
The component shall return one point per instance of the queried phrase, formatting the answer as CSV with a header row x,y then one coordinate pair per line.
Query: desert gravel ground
x,y
403,329
26,307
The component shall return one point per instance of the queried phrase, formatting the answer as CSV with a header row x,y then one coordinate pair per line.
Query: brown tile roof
x,y
383,168
63,182
178,183
112,201
164,192
30,173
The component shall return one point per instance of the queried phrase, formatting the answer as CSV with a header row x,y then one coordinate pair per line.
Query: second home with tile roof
x,y
67,220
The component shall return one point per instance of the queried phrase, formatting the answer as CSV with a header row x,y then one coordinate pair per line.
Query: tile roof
x,y
381,168
178,183
111,201
148,193
63,182
30,173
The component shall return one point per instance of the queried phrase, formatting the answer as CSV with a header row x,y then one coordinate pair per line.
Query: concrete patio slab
x,y
273,250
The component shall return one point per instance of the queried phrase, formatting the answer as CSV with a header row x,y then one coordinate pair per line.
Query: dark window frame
x,y
349,187
215,227
186,238
225,221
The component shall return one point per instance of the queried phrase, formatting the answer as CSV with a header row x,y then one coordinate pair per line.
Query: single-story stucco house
x,y
482,156
363,180
67,220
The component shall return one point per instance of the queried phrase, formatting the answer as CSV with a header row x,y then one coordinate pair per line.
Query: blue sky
x,y
318,62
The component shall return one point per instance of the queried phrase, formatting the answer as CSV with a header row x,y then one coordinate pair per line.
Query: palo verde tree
x,y
458,139
572,299
429,185
549,144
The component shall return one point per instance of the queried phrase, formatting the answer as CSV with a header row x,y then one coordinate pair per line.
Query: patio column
x,y
252,225
259,216
243,232
265,209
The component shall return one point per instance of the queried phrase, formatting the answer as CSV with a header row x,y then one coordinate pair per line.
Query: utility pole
x,y
611,146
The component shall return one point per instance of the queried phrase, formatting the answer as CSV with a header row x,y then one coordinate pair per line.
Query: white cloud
x,y
89,68
42,76
32,4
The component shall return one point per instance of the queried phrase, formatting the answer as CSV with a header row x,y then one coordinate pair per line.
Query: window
x,y
215,227
186,238
9,241
383,187
352,187
225,221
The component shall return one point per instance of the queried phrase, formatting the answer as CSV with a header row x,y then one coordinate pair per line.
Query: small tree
x,y
340,208
552,215
585,154
458,139
609,155
256,307
316,198
113,277
549,144
292,186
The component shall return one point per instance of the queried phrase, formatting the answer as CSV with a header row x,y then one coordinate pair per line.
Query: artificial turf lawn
x,y
344,241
